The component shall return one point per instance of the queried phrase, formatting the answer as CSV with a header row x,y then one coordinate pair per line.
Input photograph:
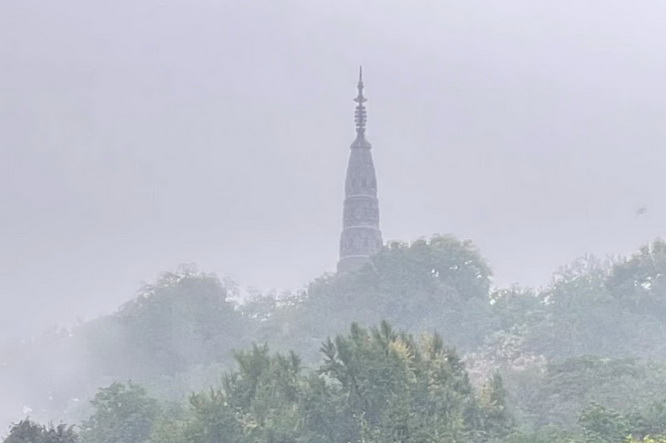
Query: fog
x,y
135,136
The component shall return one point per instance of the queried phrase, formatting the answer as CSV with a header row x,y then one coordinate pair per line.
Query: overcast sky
x,y
138,135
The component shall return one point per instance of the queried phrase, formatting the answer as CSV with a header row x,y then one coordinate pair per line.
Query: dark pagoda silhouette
x,y
361,237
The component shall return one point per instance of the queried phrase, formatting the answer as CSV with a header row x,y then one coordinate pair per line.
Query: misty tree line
x,y
434,354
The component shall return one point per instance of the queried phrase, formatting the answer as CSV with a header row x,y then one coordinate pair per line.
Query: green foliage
x,y
122,413
27,431
269,398
560,394
374,385
603,425
181,320
561,351
640,282
497,418
406,390
518,307
566,329
169,431
606,309
169,426
545,434
212,420
166,338
650,420
439,284
647,439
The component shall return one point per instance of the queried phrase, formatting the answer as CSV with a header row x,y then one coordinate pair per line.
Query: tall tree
x,y
405,390
122,413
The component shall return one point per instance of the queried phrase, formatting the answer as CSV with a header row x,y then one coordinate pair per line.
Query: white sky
x,y
135,136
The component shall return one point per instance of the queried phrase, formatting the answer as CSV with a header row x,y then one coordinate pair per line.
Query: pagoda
x,y
361,237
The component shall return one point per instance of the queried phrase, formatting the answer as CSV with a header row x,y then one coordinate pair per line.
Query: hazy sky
x,y
138,135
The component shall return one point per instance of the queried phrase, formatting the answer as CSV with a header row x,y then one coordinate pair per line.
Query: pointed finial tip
x,y
360,115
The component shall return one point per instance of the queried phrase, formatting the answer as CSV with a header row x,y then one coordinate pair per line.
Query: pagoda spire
x,y
361,115
361,237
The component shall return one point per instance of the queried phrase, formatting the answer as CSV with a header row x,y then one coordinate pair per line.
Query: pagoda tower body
x,y
361,237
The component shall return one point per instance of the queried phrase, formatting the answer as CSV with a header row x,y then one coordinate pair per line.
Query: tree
x,y
437,284
212,420
647,439
580,316
640,282
497,418
181,320
405,390
374,385
122,413
650,420
560,394
601,425
27,431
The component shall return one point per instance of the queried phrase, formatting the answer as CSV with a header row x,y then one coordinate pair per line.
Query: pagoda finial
x,y
360,116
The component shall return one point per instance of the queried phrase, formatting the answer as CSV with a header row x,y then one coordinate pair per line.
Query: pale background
x,y
138,135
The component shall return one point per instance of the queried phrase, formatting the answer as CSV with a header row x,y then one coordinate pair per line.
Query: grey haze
x,y
138,135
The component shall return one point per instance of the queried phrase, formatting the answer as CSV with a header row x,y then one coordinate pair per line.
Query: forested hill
x,y
581,359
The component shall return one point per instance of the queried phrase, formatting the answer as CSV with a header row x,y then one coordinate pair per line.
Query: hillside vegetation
x,y
416,347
